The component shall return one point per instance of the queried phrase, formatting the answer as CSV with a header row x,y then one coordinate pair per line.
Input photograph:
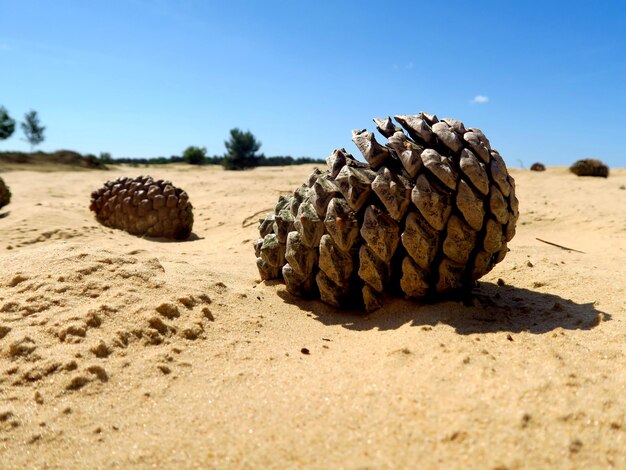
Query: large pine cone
x,y
143,206
431,213
590,167
5,194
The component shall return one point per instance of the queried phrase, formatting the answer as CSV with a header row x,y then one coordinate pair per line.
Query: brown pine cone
x,y
5,194
429,214
590,167
537,167
145,207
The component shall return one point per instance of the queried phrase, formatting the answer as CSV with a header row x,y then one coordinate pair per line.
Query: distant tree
x,y
277,161
194,155
32,130
7,125
92,161
215,160
241,151
105,157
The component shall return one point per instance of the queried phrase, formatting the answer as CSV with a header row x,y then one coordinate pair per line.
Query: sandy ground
x,y
118,352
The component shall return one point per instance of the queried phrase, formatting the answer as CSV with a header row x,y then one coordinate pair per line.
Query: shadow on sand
x,y
191,238
4,214
489,309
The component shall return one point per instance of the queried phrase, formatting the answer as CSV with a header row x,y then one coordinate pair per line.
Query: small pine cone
x,y
144,207
590,167
537,167
430,212
5,194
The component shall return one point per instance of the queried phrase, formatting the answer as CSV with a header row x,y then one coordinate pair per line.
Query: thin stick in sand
x,y
252,219
560,246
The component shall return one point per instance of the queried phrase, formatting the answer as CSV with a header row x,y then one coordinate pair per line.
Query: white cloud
x,y
480,99
406,66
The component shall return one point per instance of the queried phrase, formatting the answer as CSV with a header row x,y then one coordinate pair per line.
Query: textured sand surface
x,y
118,352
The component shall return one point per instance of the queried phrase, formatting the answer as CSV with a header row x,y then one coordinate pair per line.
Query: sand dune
x,y
119,351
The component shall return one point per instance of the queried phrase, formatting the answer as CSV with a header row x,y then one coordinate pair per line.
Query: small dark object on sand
x,y
538,167
144,206
5,194
590,167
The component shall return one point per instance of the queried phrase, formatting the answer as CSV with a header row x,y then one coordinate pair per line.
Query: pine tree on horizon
x,y
7,124
241,150
33,131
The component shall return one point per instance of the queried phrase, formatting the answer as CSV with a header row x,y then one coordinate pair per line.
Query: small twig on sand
x,y
560,246
252,219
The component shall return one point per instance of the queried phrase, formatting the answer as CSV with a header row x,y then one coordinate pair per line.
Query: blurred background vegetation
x,y
242,149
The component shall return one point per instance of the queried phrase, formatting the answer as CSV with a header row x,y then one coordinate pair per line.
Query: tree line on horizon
x,y
241,153
241,148
278,160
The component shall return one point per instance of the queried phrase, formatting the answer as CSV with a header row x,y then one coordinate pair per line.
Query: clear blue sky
x,y
546,81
